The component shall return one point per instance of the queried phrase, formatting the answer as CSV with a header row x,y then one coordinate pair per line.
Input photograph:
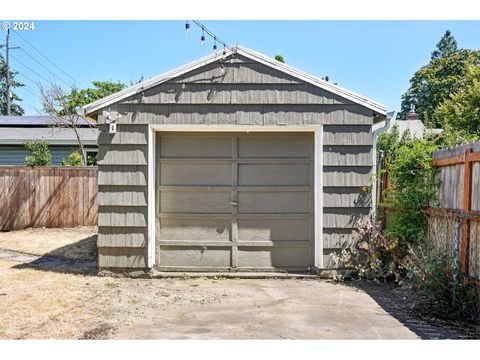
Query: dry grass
x,y
56,302
75,243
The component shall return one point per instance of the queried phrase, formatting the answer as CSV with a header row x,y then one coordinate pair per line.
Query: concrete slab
x,y
266,309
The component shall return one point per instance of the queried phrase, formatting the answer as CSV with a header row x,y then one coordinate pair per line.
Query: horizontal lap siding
x,y
123,196
250,93
347,175
247,94
245,114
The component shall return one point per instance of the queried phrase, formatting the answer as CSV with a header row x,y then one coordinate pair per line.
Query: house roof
x,y
325,85
35,120
54,135
416,127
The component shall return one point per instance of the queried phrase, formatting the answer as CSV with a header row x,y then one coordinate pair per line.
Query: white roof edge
x,y
357,98
350,95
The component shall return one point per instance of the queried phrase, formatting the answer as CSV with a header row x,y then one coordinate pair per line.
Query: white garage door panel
x,y
273,257
214,202
233,201
184,257
273,174
194,229
195,147
274,230
257,202
259,146
195,174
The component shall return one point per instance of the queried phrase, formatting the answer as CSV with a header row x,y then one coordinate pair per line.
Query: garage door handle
x,y
233,203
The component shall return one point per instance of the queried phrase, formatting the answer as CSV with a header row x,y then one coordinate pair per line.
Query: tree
x,y
100,89
40,155
15,109
461,110
447,46
432,84
57,104
280,58
63,106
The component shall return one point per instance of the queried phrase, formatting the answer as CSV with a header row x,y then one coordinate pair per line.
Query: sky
x,y
373,58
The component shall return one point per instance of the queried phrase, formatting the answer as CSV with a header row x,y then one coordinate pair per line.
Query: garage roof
x,y
263,59
36,120
54,135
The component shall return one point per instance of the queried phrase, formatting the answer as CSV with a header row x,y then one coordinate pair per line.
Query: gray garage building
x,y
234,162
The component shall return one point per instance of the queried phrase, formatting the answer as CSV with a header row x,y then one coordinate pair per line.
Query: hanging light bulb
x,y
202,39
222,68
215,45
224,52
187,27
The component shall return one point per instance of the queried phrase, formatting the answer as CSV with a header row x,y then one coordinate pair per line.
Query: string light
x,y
202,39
206,31
215,44
187,27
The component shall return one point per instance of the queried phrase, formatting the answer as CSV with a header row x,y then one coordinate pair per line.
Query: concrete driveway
x,y
263,309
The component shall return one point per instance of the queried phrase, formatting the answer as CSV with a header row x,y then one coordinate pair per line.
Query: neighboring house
x,y
413,124
235,163
15,130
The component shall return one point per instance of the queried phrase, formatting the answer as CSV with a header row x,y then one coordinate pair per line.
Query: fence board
x,y
48,197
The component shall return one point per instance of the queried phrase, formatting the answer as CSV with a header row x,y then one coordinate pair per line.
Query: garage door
x,y
234,201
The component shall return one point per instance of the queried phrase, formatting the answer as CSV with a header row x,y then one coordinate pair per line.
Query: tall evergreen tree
x,y
15,109
447,46
434,82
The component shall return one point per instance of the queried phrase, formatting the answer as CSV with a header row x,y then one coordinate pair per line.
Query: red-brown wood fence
x,y
50,196
454,226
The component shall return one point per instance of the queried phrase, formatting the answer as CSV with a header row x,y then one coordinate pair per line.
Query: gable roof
x,y
253,55
37,121
54,135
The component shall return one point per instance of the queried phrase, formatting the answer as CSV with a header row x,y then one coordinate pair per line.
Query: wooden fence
x,y
459,197
454,225
47,197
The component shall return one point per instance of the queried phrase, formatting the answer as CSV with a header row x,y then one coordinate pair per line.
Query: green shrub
x,y
73,159
413,186
40,155
447,291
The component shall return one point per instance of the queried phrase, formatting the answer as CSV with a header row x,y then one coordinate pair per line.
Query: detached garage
x,y
231,163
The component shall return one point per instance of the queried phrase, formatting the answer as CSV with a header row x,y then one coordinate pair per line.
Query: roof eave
x,y
350,95
132,90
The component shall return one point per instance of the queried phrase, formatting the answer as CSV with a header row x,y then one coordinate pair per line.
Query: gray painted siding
x,y
15,155
122,196
247,94
245,114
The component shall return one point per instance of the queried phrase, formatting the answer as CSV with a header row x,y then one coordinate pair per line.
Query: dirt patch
x,y
75,243
100,332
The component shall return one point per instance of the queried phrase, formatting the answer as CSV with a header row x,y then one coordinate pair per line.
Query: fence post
x,y
467,196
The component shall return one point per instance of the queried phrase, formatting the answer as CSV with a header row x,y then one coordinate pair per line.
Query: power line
x,y
29,89
26,77
44,56
29,68
29,79
51,72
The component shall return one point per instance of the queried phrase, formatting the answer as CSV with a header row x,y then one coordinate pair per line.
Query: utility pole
x,y
8,71
7,62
